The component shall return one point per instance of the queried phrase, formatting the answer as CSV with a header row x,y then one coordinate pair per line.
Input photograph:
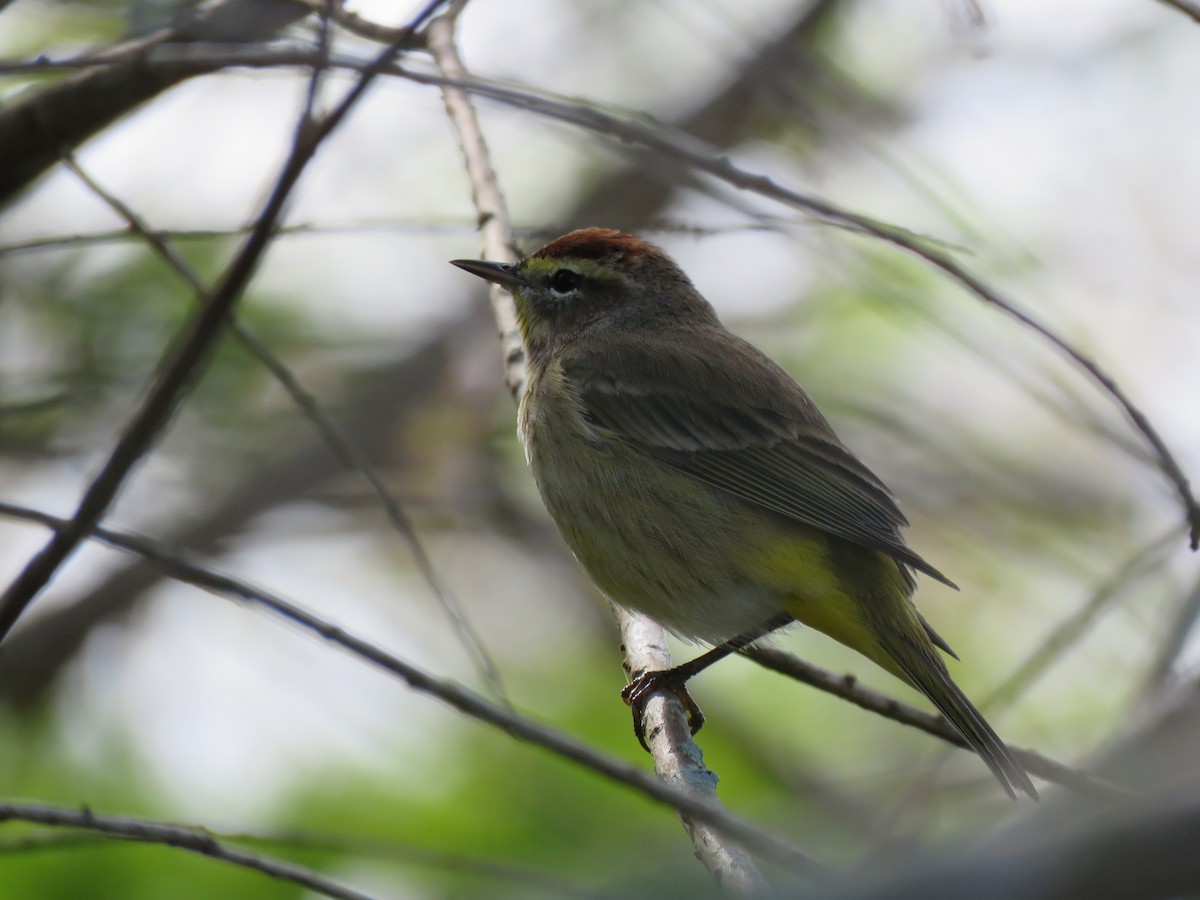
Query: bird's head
x,y
592,281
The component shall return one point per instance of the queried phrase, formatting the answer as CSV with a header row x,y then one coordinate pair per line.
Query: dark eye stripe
x,y
564,281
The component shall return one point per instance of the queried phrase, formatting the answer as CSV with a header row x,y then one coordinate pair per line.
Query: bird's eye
x,y
565,281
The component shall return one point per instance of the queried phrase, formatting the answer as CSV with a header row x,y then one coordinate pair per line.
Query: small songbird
x,y
698,484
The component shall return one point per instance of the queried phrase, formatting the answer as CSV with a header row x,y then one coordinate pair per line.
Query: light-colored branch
x,y
194,840
494,223
698,157
449,692
693,153
678,761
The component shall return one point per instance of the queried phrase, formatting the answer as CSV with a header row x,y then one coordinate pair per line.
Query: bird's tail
x,y
921,668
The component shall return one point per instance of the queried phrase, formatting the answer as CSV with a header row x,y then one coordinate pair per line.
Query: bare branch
x,y
695,154
848,688
1188,7
1076,625
449,692
678,761
36,128
398,225
1177,634
351,456
392,851
494,223
186,358
352,22
194,840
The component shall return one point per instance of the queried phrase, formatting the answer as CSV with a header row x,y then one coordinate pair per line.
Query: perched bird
x,y
698,484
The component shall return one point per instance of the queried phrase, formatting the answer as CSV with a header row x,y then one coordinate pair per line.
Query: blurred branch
x,y
194,840
847,688
352,22
1175,638
389,395
695,154
1146,854
678,761
1069,847
392,851
1053,646
182,362
1069,631
36,652
449,692
1188,7
345,450
424,226
458,864
36,128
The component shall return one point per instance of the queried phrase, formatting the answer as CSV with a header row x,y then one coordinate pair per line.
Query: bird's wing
x,y
734,419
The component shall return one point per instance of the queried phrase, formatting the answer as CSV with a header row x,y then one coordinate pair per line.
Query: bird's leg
x,y
638,692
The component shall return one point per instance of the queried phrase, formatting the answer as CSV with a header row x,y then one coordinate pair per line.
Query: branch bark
x,y
677,758
194,840
36,129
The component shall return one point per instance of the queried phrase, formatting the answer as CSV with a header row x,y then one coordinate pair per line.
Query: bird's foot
x,y
638,692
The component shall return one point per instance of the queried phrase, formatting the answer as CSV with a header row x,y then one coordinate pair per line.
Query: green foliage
x,y
101,334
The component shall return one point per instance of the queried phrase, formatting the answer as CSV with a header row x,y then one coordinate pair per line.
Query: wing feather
x,y
746,428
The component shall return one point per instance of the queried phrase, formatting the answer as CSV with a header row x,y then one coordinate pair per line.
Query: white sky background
x,y
1068,130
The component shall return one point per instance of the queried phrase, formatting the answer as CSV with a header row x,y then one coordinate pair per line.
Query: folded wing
x,y
748,429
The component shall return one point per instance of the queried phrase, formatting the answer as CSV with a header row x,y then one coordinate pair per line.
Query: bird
x,y
698,484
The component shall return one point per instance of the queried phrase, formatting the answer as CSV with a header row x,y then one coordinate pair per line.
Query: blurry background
x,y
1052,144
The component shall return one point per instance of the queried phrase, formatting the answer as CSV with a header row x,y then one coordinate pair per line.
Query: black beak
x,y
502,274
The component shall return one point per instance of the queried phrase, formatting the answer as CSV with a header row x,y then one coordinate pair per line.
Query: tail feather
x,y
930,677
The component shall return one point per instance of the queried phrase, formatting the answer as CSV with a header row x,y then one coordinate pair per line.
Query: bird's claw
x,y
638,692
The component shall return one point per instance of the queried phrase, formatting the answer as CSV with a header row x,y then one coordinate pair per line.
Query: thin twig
x,y
1176,637
493,220
848,688
449,692
194,840
1076,625
183,361
677,758
696,155
352,22
1052,647
425,226
348,453
316,78
391,851
395,851
844,686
